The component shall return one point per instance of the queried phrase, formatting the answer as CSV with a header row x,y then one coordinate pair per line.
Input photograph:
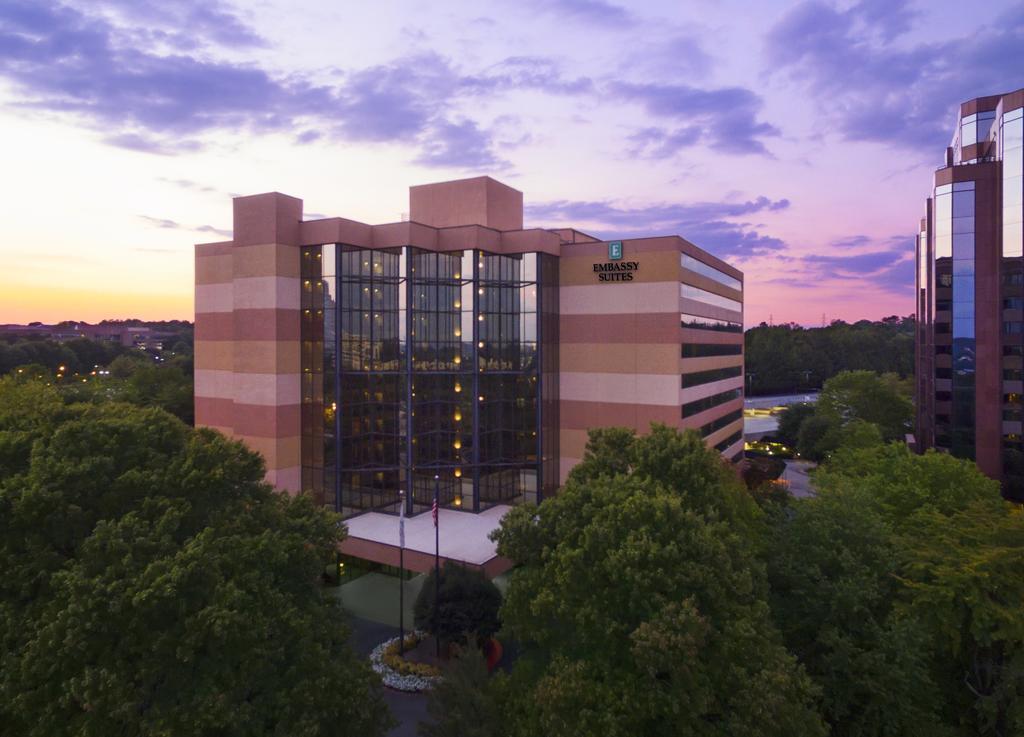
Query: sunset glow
x,y
795,140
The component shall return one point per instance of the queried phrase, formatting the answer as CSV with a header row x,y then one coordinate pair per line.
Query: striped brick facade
x,y
620,357
620,354
247,351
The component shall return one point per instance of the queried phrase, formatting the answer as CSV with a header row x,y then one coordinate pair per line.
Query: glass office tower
x,y
422,368
970,285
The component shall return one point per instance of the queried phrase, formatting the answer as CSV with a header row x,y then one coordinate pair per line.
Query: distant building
x,y
363,359
137,336
970,294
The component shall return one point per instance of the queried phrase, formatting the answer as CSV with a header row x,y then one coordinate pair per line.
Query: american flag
x,y
433,511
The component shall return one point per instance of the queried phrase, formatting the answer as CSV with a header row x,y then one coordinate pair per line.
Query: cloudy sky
x,y
795,139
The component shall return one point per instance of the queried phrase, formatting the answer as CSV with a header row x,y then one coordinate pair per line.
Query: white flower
x,y
395,680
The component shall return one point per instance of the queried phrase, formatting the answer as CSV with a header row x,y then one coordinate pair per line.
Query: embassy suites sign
x,y
615,269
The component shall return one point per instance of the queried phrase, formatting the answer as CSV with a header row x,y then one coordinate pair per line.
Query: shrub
x,y
467,603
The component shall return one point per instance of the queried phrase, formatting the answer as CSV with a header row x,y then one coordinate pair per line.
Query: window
x,y
699,267
705,377
709,323
700,405
709,298
1013,303
703,350
721,422
731,440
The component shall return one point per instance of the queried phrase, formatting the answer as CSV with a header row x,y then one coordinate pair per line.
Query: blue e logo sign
x,y
614,250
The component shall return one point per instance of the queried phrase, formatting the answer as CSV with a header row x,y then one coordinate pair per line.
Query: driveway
x,y
408,709
796,476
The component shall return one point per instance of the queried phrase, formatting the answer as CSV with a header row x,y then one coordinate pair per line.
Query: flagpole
x,y
401,572
437,561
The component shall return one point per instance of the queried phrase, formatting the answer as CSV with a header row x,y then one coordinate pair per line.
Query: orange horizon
x,y
52,305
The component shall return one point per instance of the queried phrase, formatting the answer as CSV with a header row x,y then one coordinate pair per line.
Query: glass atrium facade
x,y
423,368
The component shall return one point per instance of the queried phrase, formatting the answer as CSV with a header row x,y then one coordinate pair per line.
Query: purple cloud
x,y
889,264
703,223
875,89
63,60
165,224
597,12
459,145
659,143
206,21
526,72
726,116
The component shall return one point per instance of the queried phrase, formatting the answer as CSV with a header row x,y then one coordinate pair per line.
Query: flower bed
x,y
400,674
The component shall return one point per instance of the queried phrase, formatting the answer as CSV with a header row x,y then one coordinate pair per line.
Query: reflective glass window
x,y
695,265
709,323
716,300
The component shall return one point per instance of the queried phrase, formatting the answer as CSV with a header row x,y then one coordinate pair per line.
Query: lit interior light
x,y
458,501
480,318
458,276
458,360
458,387
480,290
458,304
480,344
458,333
481,397
458,416
458,473
457,444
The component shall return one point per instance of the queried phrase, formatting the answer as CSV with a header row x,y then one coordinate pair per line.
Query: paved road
x,y
799,481
408,709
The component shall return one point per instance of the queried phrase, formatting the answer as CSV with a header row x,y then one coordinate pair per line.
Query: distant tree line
x,y
99,371
78,355
792,358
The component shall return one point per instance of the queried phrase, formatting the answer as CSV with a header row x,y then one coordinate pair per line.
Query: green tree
x,y
864,395
154,585
818,437
466,603
127,364
465,703
790,421
790,358
165,387
898,588
833,567
677,461
640,615
963,572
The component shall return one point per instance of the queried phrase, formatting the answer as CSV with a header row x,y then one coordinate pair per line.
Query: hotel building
x,y
970,294
363,359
